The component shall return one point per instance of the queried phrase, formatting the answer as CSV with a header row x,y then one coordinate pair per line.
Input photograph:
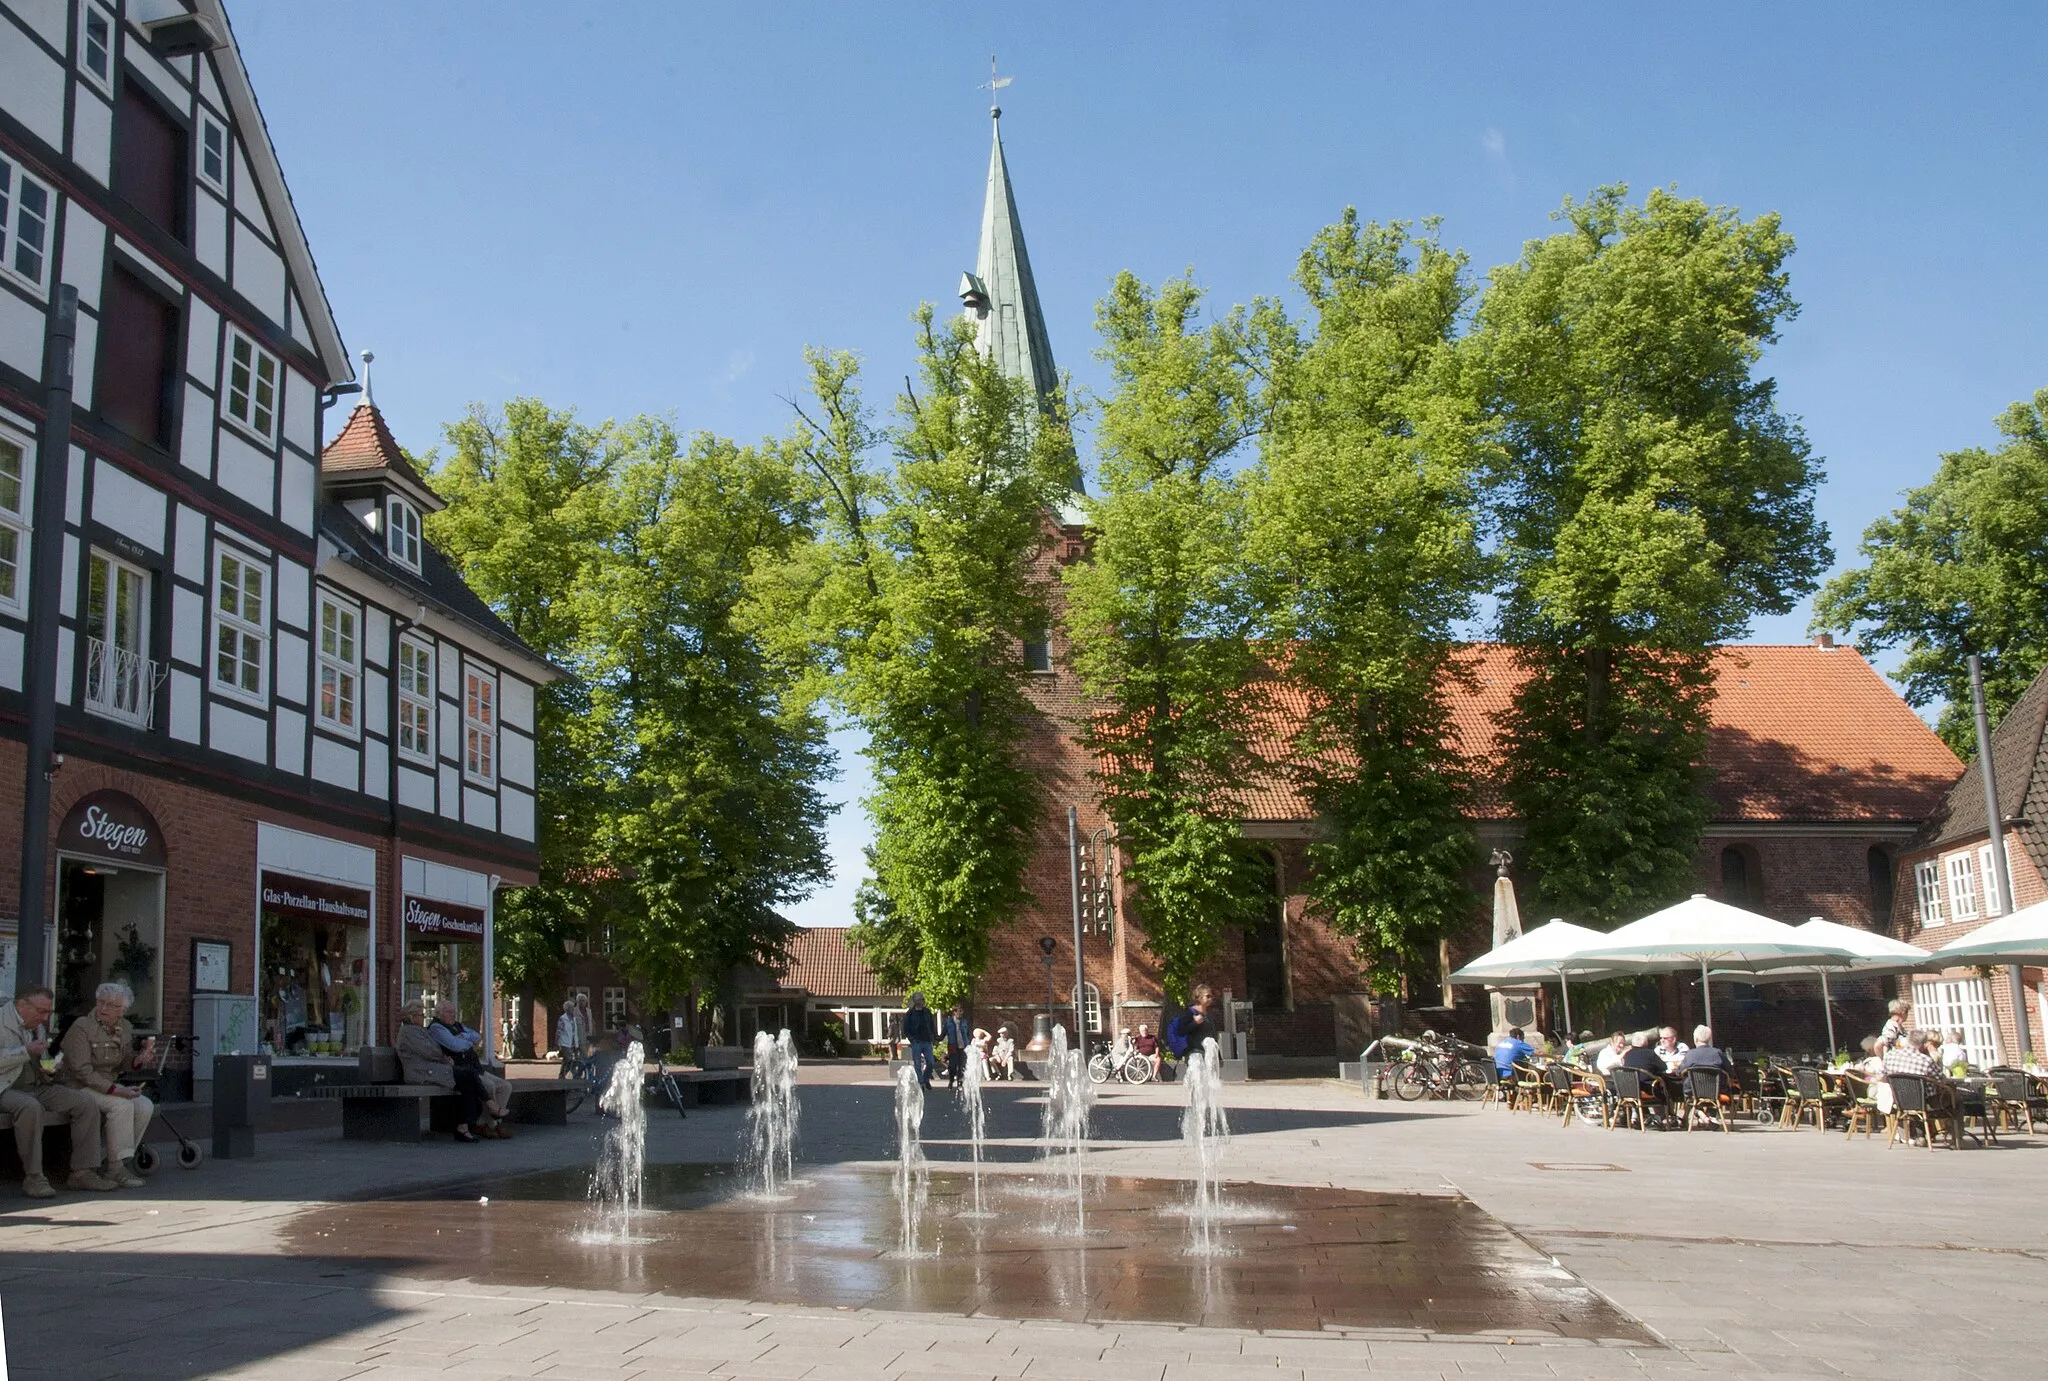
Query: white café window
x,y
27,207
251,391
1994,903
16,504
415,699
340,664
479,723
1091,1007
213,153
402,533
1959,1004
1962,886
96,31
1927,881
241,628
120,679
614,1007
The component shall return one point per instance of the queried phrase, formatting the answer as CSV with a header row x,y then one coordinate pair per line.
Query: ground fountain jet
x,y
616,1185
1204,1128
976,1109
772,1116
912,1177
1064,1131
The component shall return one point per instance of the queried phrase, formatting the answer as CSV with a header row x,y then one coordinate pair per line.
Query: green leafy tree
x,y
1159,618
525,493
714,810
1366,533
911,609
1650,500
1961,567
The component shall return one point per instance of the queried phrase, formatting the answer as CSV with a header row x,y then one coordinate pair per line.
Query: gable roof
x,y
2018,766
269,174
823,964
1798,733
366,448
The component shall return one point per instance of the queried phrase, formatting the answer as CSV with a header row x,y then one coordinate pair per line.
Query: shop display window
x,y
314,964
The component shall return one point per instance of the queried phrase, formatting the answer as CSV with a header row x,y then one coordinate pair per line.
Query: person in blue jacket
x,y
920,1029
1188,1030
1510,1049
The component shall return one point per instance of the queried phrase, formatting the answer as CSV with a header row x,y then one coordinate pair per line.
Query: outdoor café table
x,y
1966,1097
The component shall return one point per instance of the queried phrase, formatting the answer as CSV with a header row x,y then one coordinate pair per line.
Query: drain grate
x,y
1588,1167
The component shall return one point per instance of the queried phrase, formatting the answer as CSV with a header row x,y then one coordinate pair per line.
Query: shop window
x,y
340,665
1927,884
151,154
120,679
415,699
480,724
1959,1004
138,354
16,500
251,387
1962,886
313,994
110,928
26,210
402,533
240,621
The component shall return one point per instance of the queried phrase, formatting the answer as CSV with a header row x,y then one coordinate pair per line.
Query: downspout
x,y
399,625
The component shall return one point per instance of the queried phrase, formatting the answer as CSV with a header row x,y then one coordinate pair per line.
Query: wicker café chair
x,y
1634,1096
2011,1097
1912,1106
1531,1090
1809,1097
1861,1107
1707,1092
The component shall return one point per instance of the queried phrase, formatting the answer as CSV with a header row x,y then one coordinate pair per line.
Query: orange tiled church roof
x,y
823,964
1799,732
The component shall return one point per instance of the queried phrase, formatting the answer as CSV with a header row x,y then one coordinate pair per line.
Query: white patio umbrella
x,y
1711,934
1868,954
1549,951
2021,938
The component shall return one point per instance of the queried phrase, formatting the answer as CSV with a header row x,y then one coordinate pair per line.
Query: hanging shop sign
x,y
285,895
113,826
443,920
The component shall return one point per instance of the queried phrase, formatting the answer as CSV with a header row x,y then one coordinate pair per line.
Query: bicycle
x,y
1430,1069
1123,1064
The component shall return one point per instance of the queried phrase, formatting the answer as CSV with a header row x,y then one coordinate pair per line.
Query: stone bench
x,y
700,1087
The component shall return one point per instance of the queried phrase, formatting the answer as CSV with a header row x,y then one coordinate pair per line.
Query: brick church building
x,y
1821,779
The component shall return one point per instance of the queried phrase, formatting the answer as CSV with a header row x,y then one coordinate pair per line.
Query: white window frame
x,y
479,730
610,1011
1994,904
1963,1004
1927,881
402,539
103,82
249,419
17,523
342,666
414,699
112,664
1961,871
1089,1012
209,123
236,624
13,179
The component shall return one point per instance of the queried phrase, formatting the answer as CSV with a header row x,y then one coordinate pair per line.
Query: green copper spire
x,y
1000,294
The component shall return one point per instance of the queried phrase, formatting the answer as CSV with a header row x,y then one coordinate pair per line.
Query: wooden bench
x,y
379,1107
56,1145
706,1086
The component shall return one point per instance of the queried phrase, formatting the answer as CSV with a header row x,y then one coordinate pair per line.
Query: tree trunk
x,y
1599,683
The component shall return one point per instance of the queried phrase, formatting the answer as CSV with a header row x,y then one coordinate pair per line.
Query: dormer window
x,y
402,533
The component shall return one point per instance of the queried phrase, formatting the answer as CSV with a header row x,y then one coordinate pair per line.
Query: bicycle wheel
x,y
1411,1081
1098,1069
1470,1081
1137,1069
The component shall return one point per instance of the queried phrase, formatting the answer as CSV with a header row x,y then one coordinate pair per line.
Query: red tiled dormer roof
x,y
365,447
1798,733
823,964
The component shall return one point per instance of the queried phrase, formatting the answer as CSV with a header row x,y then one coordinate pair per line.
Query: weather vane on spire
x,y
993,85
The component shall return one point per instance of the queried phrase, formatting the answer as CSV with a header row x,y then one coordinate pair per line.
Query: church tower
x,y
1000,295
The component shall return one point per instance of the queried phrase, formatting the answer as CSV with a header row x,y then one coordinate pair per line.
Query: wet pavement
x,y
1292,1257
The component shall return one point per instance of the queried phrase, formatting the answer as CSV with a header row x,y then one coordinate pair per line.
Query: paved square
x,y
1760,1253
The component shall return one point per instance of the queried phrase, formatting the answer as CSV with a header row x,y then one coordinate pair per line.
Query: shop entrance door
x,y
110,927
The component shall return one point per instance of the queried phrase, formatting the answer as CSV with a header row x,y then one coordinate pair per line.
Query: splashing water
x,y
772,1116
977,1122
616,1185
1204,1130
912,1177
1064,1132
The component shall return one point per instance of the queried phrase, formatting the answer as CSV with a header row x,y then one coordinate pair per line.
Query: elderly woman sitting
x,y
98,1049
423,1060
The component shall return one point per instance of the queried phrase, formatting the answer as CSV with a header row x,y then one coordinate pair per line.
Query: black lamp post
x,y
1047,947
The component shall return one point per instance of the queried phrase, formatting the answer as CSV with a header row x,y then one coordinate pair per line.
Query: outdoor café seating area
x,y
1905,1085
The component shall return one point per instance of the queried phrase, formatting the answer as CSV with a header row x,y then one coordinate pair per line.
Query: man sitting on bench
x,y
464,1046
422,1061
32,1098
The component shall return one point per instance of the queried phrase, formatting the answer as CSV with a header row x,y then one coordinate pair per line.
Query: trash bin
x,y
241,1102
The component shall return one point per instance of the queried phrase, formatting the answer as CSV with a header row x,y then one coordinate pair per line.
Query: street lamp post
x,y
1047,947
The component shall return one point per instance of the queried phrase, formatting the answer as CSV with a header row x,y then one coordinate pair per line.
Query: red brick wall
x,y
2028,887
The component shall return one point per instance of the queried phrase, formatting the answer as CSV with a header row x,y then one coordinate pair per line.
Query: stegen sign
x,y
114,826
443,920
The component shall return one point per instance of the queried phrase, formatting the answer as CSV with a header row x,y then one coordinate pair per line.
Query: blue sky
x,y
654,207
